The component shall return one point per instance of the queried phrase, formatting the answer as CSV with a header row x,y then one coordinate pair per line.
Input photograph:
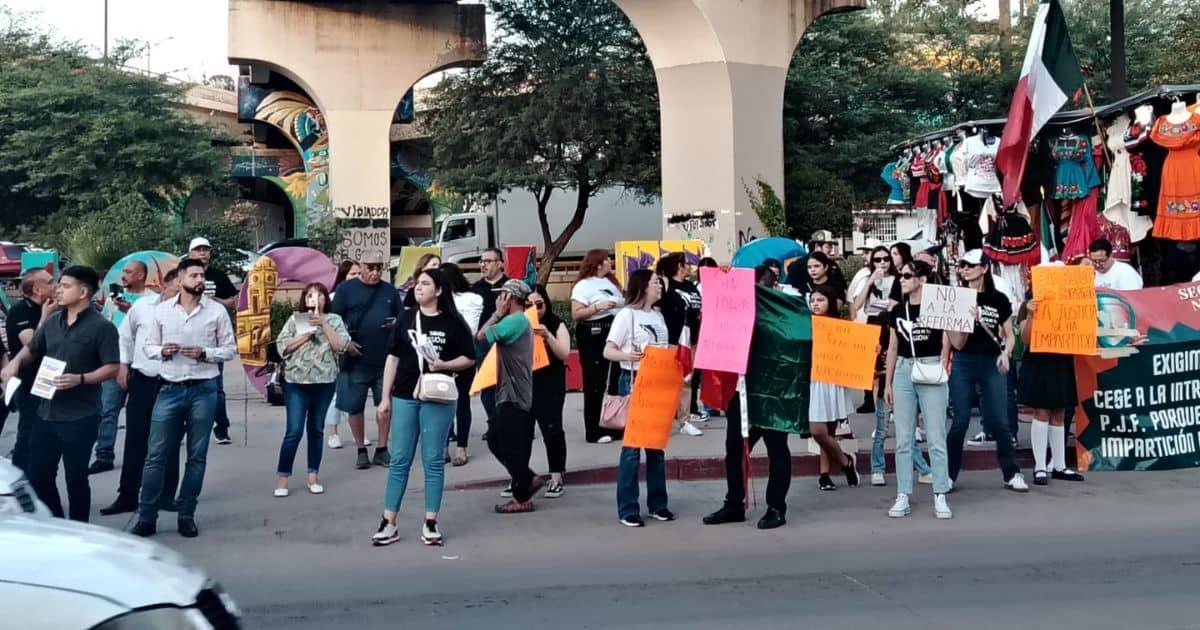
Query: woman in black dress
x,y
1047,386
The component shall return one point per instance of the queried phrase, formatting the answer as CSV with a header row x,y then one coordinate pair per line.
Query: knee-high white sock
x,y
1058,447
1038,435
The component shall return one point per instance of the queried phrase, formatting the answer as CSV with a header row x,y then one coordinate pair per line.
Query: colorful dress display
x,y
1178,215
1075,174
982,180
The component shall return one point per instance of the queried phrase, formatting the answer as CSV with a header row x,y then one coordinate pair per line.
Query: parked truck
x,y
614,214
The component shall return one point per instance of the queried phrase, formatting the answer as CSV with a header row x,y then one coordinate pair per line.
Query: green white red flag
x,y
1050,77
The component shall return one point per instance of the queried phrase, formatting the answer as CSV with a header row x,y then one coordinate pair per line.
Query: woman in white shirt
x,y
637,326
594,299
470,306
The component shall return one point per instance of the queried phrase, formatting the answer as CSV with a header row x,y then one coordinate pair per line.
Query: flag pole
x,y
1096,119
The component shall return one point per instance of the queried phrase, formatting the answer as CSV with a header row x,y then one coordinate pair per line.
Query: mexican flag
x,y
1050,76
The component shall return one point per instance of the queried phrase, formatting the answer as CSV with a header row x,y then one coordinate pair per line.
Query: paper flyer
x,y
43,383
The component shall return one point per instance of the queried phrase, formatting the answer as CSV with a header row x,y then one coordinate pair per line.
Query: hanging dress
x,y
1118,198
1178,217
1076,183
895,190
1012,241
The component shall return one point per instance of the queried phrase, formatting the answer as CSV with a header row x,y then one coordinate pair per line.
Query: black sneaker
x,y
866,407
663,515
144,529
632,521
850,468
222,435
99,467
724,515
430,534
381,457
772,519
825,483
187,528
364,461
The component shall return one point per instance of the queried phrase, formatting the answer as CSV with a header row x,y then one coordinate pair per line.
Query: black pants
x,y
143,390
71,442
779,456
510,439
461,432
591,338
548,412
27,410
221,419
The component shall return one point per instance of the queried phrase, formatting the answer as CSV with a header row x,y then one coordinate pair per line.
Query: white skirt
x,y
828,403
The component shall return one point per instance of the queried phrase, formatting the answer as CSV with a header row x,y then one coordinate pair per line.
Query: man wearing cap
x,y
510,428
370,308
218,288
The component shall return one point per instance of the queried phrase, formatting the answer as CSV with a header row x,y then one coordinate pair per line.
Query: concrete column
x,y
721,67
356,60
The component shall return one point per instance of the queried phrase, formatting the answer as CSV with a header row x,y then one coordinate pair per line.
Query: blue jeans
x,y
972,369
932,400
413,421
878,460
179,410
627,481
112,399
306,404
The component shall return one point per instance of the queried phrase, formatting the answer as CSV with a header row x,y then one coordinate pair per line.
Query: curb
x,y
713,467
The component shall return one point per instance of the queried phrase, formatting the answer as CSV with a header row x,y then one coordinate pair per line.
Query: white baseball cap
x,y
199,241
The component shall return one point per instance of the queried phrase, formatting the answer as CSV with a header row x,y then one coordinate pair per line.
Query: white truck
x,y
614,214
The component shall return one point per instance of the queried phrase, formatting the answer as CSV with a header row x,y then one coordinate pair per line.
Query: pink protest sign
x,y
726,319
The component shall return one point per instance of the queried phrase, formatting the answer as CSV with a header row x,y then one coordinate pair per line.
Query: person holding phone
x,y
309,342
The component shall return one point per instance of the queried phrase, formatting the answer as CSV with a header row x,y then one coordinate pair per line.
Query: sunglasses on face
x,y
967,265
908,276
879,260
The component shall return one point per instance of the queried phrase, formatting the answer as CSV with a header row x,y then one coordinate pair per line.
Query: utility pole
x,y
106,29
1116,22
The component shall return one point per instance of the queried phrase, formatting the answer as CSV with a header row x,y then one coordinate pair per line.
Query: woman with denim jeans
x,y
910,343
310,341
637,326
430,338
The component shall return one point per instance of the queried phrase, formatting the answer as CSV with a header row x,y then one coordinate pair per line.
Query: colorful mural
x,y
634,255
157,265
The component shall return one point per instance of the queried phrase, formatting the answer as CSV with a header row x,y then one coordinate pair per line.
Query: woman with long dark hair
x,y
347,270
680,307
828,405
550,383
310,341
638,326
594,299
820,266
431,338
470,306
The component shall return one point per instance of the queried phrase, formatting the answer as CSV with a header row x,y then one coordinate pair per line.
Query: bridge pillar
x,y
356,61
721,67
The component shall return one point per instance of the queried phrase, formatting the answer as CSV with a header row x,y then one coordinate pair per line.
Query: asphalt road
x,y
1119,551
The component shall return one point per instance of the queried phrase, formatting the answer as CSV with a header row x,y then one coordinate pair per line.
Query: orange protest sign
x,y
654,400
1065,320
844,352
488,374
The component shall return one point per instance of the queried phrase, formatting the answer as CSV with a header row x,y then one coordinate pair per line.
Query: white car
x,y
16,495
69,575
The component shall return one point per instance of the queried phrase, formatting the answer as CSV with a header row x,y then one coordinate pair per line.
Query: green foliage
x,y
769,208
566,100
280,312
563,310
80,132
93,240
325,236
227,234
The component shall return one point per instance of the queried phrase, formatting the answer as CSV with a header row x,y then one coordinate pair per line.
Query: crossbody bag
x,y
925,370
432,386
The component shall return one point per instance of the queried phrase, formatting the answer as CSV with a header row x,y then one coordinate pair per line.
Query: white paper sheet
x,y
43,384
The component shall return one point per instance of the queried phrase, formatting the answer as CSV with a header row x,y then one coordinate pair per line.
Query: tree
x,y
92,241
81,133
567,101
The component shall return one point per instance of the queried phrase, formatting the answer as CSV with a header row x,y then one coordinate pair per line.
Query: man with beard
x,y
191,335
218,288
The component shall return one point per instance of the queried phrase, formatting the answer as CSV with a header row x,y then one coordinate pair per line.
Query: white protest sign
x,y
948,308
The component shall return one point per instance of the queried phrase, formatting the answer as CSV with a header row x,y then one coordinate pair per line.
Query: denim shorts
x,y
353,385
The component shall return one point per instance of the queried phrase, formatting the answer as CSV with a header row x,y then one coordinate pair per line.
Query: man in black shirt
x,y
23,320
217,287
87,345
491,265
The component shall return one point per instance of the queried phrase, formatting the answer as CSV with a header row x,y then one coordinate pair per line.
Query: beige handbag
x,y
431,386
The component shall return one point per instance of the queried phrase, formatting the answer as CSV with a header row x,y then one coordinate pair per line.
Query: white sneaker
x,y
979,439
877,479
430,534
386,535
1017,483
605,439
316,488
334,441
920,435
940,508
926,479
281,492
900,508
690,429
366,441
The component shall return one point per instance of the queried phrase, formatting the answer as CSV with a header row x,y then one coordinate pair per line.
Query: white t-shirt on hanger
x,y
982,180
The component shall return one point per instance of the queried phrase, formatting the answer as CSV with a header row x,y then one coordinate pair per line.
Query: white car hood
x,y
124,569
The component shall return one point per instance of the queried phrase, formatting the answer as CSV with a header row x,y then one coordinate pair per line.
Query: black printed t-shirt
x,y
927,341
680,307
448,334
994,310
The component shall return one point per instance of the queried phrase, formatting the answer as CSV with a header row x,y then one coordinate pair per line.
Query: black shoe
x,y
866,407
222,435
632,521
663,515
168,506
1040,478
484,437
187,528
772,519
99,467
381,457
851,470
364,461
1065,475
143,529
724,515
825,483
118,507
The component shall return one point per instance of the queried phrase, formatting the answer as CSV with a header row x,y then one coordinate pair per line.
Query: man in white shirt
x,y
191,335
1110,272
138,377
